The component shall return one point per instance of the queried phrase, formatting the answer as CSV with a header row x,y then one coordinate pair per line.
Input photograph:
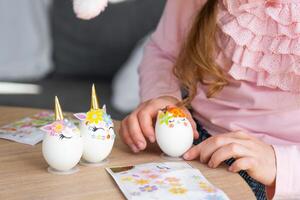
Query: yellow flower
x,y
58,128
141,182
175,184
178,190
94,116
204,186
172,179
127,178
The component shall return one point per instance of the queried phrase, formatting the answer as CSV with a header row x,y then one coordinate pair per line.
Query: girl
x,y
239,62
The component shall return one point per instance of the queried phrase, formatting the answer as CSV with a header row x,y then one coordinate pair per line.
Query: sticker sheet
x,y
27,130
167,181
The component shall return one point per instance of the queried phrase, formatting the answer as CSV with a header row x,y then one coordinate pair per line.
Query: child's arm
x,y
287,184
158,86
156,75
155,71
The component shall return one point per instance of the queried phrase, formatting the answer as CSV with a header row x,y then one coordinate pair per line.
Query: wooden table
x,y
23,172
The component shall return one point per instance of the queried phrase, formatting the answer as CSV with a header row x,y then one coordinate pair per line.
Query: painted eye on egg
x,y
171,121
62,136
94,128
183,119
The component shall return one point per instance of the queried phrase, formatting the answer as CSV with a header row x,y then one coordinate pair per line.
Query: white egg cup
x,y
98,137
174,135
62,147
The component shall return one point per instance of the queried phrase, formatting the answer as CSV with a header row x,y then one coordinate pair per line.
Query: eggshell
x,y
95,150
62,154
174,138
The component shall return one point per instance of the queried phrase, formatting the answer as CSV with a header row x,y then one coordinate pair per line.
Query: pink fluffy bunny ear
x,y
88,9
80,116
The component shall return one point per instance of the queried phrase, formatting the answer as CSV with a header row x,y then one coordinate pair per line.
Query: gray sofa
x,y
100,46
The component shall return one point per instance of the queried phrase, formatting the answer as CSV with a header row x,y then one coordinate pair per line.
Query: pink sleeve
x,y
288,172
155,72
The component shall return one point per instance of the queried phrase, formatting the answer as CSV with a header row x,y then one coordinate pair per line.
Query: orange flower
x,y
176,112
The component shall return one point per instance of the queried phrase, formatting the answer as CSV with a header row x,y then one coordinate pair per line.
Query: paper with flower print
x,y
167,181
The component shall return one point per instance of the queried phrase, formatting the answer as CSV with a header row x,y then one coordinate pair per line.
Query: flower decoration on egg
x,y
94,116
62,128
171,116
99,124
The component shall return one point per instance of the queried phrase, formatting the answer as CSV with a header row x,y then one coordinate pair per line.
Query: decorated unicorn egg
x,y
62,145
97,130
174,133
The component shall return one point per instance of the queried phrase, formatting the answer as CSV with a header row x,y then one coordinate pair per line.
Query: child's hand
x,y
139,125
251,154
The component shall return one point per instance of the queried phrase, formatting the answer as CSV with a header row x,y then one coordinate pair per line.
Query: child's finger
x,y
135,131
209,146
194,126
244,163
192,153
145,118
126,137
238,134
226,152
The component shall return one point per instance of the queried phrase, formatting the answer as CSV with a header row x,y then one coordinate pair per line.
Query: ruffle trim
x,y
263,42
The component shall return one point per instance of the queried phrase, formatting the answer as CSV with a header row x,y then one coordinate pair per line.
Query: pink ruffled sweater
x,y
258,44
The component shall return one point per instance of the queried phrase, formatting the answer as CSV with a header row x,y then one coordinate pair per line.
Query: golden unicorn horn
x,y
58,112
94,99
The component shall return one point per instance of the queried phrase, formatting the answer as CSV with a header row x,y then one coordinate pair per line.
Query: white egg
x,y
174,134
96,145
98,135
63,149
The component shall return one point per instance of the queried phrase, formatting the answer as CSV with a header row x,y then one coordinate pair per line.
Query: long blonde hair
x,y
195,62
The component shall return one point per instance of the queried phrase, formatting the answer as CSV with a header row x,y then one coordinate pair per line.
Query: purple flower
x,y
148,188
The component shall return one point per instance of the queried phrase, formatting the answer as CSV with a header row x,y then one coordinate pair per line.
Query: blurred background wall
x,y
44,45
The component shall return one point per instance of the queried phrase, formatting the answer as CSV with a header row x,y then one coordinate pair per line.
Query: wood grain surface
x,y
23,173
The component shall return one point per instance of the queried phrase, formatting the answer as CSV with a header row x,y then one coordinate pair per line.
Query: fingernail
x,y
230,168
141,145
134,149
152,139
201,161
186,156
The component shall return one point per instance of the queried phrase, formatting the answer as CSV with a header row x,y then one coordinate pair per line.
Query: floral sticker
x,y
153,176
127,178
142,182
207,188
148,188
172,179
178,190
94,116
171,116
99,124
58,128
